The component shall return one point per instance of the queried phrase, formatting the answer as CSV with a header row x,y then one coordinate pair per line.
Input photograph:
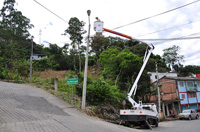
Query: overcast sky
x,y
115,13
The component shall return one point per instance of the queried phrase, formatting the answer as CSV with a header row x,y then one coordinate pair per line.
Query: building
x,y
153,75
189,93
39,56
177,94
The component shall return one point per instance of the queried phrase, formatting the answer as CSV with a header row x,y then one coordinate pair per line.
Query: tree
x,y
189,70
13,34
76,30
42,64
58,56
172,56
120,66
109,62
14,20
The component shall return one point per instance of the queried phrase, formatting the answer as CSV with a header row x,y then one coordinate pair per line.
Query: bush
x,y
42,64
1,74
5,74
100,91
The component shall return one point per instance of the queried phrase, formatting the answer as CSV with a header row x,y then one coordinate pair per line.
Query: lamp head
x,y
88,12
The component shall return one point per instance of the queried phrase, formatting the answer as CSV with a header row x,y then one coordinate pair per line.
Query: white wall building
x,y
153,75
39,56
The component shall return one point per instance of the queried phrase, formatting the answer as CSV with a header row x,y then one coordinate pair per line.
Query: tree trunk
x,y
74,63
118,77
79,58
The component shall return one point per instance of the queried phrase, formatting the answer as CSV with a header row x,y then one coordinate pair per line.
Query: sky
x,y
115,13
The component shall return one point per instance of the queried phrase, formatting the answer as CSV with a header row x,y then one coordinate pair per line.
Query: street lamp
x,y
86,65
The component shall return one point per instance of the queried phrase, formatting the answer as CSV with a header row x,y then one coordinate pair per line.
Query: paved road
x,y
179,126
176,126
30,109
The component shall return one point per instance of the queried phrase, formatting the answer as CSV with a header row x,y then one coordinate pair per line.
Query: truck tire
x,y
127,124
197,117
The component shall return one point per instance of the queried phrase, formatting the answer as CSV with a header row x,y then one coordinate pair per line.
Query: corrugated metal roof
x,y
182,78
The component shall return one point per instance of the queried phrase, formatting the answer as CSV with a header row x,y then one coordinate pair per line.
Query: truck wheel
x,y
197,117
189,118
127,124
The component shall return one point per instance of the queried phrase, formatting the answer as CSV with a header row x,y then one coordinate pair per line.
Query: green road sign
x,y
72,81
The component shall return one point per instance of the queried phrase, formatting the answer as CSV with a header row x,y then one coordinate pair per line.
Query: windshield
x,y
186,111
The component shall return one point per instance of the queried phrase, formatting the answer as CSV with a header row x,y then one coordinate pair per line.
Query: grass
x,y
45,80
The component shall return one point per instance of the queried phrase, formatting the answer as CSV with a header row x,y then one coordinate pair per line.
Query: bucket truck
x,y
139,114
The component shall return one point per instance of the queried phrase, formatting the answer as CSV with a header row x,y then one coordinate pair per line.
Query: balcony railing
x,y
191,89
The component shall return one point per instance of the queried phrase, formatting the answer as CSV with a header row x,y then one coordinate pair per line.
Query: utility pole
x,y
31,60
159,107
86,65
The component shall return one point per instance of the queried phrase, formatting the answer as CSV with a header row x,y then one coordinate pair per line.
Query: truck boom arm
x,y
98,26
134,87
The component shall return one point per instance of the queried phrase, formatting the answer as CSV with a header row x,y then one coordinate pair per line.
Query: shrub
x,y
101,91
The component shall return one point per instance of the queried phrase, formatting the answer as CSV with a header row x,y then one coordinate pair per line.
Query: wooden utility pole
x,y
31,60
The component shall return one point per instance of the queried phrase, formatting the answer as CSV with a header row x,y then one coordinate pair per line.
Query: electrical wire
x,y
167,28
179,39
166,39
51,11
156,15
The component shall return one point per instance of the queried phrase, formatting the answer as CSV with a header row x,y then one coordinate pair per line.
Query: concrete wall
x,y
198,96
183,100
181,88
192,100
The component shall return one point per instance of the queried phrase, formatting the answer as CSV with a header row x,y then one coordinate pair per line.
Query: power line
x,y
167,28
156,15
167,39
51,12
179,39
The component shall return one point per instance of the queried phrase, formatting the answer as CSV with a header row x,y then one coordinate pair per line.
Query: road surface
x,y
29,109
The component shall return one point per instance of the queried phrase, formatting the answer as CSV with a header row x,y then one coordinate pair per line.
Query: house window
x,y
183,96
181,84
190,84
198,84
191,95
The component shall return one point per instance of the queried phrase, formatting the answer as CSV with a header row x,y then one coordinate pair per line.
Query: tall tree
x,y
76,30
13,20
172,56
13,33
58,56
120,66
